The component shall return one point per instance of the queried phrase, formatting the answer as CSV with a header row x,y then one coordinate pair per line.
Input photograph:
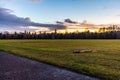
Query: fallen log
x,y
82,51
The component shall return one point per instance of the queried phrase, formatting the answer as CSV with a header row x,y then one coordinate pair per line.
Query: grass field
x,y
103,62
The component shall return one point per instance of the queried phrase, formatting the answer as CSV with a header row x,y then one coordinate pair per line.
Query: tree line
x,y
112,32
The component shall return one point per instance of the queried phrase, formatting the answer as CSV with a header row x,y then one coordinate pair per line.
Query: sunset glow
x,y
48,15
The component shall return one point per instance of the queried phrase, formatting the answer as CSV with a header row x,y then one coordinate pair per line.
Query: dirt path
x,y
17,68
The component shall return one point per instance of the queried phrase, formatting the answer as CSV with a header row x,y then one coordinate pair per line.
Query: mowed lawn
x,y
103,62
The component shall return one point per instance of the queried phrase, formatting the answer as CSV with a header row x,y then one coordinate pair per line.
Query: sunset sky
x,y
45,13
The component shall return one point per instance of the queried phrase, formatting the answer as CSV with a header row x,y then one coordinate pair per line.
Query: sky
x,y
43,14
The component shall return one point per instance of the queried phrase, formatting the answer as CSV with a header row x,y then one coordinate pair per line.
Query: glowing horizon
x,y
20,15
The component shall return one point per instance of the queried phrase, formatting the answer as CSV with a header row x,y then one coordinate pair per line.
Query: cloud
x,y
35,0
77,25
105,7
118,15
58,22
27,0
69,21
10,20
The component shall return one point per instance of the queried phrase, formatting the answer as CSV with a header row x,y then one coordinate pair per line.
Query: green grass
x,y
103,62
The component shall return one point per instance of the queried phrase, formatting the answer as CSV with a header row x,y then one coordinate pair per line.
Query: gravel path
x,y
16,68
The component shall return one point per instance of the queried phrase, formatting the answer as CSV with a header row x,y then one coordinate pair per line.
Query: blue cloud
x,y
9,19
